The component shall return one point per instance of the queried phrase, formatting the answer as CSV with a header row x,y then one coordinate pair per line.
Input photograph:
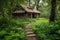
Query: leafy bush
x,y
11,29
14,34
47,31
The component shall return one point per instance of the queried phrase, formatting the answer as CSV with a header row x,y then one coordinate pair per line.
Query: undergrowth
x,y
46,30
12,29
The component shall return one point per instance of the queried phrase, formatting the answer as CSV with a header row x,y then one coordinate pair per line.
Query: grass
x,y
41,20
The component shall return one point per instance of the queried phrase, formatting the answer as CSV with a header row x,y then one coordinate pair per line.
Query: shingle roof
x,y
29,9
19,11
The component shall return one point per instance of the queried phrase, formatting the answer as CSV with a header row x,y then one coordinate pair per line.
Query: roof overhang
x,y
19,11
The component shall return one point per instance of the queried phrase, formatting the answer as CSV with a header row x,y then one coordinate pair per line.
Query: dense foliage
x,y
9,26
46,31
12,30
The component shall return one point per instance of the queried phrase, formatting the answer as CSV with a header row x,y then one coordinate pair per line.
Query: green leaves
x,y
47,31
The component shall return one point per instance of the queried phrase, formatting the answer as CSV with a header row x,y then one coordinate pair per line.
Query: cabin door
x,y
34,15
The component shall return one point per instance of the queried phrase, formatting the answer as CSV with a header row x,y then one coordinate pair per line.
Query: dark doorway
x,y
33,15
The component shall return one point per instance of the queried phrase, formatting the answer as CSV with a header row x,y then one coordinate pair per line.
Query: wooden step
x,y
32,38
29,32
27,28
31,35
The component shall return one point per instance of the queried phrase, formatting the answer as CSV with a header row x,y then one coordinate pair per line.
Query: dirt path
x,y
30,35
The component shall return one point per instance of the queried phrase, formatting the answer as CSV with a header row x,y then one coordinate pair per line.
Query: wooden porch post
x,y
31,15
37,15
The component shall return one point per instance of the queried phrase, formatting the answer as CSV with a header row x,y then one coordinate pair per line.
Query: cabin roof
x,y
26,9
19,11
30,9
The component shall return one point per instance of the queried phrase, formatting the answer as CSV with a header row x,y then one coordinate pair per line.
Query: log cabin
x,y
26,12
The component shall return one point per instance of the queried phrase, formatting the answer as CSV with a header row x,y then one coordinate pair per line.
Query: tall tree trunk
x,y
29,2
3,13
53,9
37,5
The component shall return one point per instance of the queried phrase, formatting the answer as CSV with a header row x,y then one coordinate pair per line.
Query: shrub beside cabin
x,y
26,12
